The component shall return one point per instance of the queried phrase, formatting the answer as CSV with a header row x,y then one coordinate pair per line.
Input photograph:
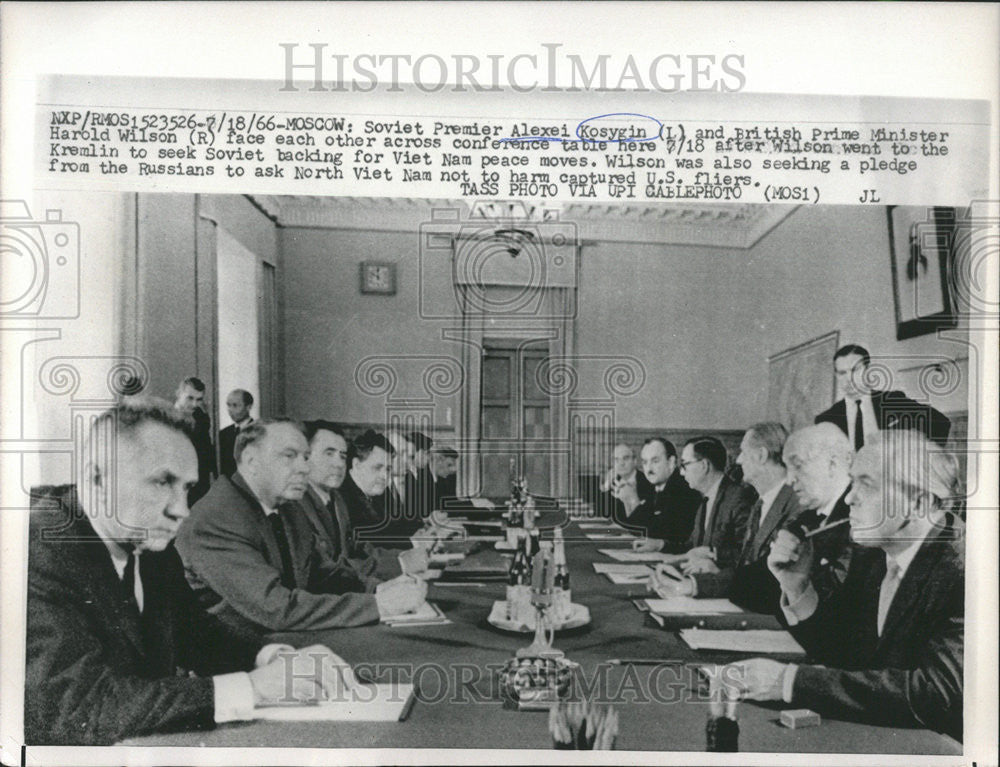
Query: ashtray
x,y
536,683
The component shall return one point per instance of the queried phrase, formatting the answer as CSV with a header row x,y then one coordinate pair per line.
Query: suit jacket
x,y
726,524
912,674
748,582
668,514
97,671
233,563
894,410
609,506
227,446
202,441
831,550
383,520
356,509
330,523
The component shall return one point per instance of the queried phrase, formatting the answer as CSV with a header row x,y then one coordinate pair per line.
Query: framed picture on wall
x,y
801,381
920,248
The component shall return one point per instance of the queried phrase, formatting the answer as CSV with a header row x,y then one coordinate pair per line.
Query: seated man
x,y
421,482
253,558
112,628
623,470
667,515
363,565
747,582
721,519
891,639
818,459
400,515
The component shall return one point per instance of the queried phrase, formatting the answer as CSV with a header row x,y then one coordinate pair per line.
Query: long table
x,y
459,706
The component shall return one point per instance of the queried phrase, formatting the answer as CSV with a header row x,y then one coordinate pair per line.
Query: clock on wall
x,y
378,277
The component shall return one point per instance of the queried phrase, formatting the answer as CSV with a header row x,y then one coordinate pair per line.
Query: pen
x,y
646,662
824,528
408,706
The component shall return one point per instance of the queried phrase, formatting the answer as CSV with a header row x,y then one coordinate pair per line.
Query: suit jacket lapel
x,y
914,585
699,523
267,534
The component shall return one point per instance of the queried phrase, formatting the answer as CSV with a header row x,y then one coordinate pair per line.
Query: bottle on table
x,y
562,596
519,582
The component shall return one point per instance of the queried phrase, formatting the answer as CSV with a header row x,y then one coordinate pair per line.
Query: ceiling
x,y
700,224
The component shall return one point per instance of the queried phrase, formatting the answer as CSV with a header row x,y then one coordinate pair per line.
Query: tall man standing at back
x,y
111,627
238,403
191,403
861,412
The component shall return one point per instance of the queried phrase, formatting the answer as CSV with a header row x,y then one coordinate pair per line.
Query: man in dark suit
x,y
191,403
252,557
818,459
747,582
238,403
399,509
421,483
666,516
623,470
444,466
326,510
891,640
112,629
861,412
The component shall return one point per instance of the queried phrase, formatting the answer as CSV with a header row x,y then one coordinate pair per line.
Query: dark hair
x,y
770,435
668,446
851,349
312,428
256,431
711,449
447,452
195,383
247,396
127,416
420,440
361,447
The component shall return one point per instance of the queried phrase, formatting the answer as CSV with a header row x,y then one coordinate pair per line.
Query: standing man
x,y
252,557
238,403
748,582
667,515
891,640
862,412
112,629
191,403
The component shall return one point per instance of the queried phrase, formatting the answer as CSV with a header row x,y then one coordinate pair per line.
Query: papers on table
x,y
439,558
691,606
610,535
754,641
368,703
596,525
621,567
633,556
628,579
425,615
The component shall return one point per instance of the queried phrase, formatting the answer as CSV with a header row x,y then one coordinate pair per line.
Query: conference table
x,y
661,708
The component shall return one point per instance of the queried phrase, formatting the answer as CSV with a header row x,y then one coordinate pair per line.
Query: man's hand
x,y
312,673
648,545
668,582
699,565
701,552
790,561
757,678
627,494
414,561
403,594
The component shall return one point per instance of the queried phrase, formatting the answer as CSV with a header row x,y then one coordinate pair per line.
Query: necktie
x,y
278,527
339,538
129,580
885,595
859,426
752,524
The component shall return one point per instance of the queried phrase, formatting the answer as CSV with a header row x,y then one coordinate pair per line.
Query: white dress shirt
x,y
710,496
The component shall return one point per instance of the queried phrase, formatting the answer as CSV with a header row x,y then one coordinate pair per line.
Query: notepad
x,y
633,556
754,641
388,702
623,568
691,606
426,614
